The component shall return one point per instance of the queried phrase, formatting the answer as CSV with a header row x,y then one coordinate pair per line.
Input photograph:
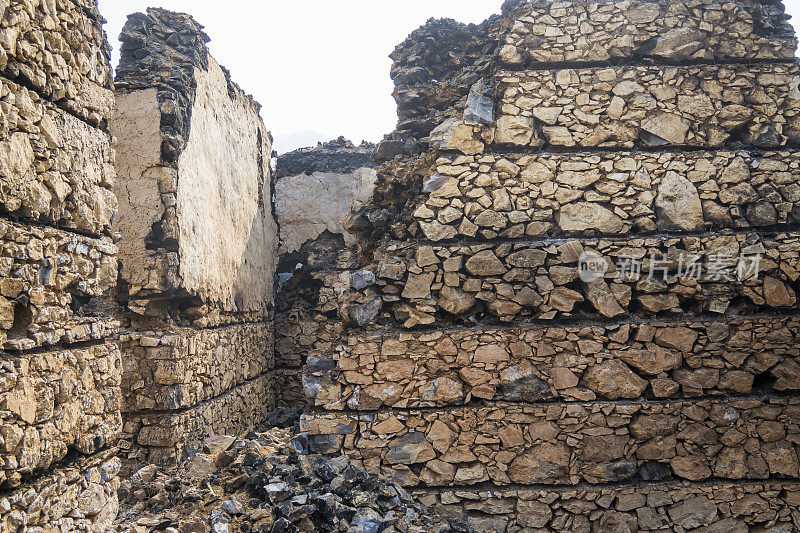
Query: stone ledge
x,y
181,367
78,496
52,403
54,168
515,195
44,271
599,442
566,363
730,507
593,31
164,438
63,53
650,106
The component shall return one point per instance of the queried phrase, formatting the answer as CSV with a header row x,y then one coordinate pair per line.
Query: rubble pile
x,y
264,483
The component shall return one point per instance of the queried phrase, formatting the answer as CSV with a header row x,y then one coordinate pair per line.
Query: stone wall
x,y
315,189
650,147
198,243
654,359
61,368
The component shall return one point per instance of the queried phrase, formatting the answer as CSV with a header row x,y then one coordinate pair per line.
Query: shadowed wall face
x,y
227,235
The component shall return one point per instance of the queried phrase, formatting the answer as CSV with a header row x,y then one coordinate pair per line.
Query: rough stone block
x,y
54,168
61,50
179,368
697,106
301,334
53,403
289,387
639,276
720,506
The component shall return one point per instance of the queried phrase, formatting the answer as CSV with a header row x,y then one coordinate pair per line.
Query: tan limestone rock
x,y
613,379
542,463
583,216
678,204
485,263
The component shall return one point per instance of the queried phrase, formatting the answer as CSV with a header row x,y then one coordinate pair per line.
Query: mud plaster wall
x,y
315,189
227,235
136,130
310,204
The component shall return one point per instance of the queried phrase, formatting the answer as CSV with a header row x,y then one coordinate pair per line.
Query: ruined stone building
x,y
561,296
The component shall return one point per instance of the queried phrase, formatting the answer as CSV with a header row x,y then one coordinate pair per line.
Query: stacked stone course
x,y
517,196
469,358
198,244
565,363
61,368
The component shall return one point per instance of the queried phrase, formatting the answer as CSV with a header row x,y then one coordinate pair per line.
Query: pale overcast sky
x,y
318,67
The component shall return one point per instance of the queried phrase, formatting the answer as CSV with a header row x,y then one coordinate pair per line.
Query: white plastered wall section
x,y
227,236
137,140
309,204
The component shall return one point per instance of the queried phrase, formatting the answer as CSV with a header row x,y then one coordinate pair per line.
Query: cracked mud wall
x,y
136,128
199,243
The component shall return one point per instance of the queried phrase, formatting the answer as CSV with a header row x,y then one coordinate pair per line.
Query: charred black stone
x,y
338,156
279,491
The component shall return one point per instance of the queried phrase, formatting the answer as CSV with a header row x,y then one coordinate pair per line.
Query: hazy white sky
x,y
318,67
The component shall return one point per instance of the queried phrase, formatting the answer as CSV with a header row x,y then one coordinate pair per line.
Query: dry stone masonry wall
x,y
652,143
568,363
61,368
429,301
198,243
591,31
510,197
